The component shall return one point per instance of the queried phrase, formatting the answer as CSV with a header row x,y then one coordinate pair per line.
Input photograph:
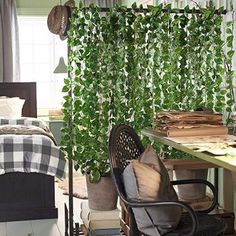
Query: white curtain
x,y
9,42
101,3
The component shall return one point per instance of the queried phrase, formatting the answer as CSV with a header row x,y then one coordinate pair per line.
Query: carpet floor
x,y
79,187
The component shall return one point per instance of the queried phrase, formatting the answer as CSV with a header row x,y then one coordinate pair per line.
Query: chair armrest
x,y
200,181
138,204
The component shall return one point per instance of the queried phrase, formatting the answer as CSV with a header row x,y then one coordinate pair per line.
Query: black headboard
x,y
24,90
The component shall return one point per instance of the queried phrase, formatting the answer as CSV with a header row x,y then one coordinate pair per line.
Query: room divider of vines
x,y
127,64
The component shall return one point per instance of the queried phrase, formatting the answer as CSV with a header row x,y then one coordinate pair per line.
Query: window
x,y
145,2
40,51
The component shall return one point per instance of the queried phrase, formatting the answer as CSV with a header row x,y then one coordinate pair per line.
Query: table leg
x,y
216,184
228,190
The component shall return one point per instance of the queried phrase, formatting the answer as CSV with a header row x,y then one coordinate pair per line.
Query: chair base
x,y
227,217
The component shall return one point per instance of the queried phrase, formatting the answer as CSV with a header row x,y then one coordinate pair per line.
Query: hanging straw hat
x,y
70,5
58,19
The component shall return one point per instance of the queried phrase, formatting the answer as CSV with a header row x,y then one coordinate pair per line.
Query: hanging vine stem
x,y
219,70
127,39
165,60
184,82
111,82
143,108
228,67
171,64
140,70
131,65
208,55
156,25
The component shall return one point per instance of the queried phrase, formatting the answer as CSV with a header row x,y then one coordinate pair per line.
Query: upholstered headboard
x,y
24,90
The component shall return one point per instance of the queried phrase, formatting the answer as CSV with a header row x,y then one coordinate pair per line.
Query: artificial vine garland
x,y
124,67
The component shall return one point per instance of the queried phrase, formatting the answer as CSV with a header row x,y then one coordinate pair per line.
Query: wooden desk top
x,y
224,161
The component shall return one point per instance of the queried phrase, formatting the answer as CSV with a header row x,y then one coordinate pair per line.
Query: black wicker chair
x,y
124,144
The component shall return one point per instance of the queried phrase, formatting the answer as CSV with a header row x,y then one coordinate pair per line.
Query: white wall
x,y
33,7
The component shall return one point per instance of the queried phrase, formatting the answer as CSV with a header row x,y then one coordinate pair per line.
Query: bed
x,y
26,196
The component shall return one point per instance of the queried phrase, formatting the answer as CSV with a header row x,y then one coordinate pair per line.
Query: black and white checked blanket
x,y
29,152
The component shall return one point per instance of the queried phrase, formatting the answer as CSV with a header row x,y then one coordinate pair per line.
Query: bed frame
x,y
26,196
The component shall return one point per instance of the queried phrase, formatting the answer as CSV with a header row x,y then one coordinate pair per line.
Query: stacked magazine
x,y
197,123
99,222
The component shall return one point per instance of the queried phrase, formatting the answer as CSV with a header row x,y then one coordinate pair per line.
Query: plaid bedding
x,y
29,153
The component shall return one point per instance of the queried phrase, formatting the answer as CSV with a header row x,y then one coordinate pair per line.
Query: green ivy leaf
x,y
134,6
230,53
65,89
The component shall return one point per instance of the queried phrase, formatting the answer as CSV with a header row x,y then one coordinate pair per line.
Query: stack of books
x,y
99,222
198,123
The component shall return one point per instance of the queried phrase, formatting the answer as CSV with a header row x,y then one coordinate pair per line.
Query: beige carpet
x,y
79,187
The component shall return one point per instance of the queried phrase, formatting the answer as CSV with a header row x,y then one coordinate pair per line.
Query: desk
x,y
226,162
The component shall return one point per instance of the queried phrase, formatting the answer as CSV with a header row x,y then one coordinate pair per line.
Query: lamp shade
x,y
61,67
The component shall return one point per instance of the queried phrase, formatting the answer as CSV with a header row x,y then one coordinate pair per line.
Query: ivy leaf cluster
x,y
125,66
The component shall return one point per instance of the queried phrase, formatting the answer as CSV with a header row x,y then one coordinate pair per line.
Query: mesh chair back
x,y
124,145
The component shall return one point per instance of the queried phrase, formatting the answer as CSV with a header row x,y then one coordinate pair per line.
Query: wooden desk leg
x,y
234,181
233,174
228,191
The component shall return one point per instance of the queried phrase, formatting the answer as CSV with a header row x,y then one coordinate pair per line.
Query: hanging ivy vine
x,y
125,66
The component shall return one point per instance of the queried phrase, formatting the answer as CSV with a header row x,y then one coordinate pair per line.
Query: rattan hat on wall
x,y
58,19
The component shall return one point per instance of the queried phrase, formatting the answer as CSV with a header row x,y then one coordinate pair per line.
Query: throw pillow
x,y
148,180
11,107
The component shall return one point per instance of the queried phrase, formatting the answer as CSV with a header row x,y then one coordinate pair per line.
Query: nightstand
x,y
55,127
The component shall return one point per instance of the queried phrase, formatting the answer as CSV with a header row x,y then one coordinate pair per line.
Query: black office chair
x,y
124,145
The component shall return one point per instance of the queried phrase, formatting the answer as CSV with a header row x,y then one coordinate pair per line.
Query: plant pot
x,y
191,191
102,196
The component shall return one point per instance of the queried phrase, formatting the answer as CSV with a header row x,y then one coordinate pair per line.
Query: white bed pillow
x,y
11,107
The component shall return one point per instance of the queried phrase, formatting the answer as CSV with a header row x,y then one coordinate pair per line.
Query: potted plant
x,y
87,112
85,141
